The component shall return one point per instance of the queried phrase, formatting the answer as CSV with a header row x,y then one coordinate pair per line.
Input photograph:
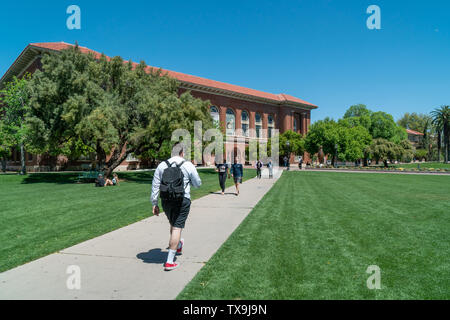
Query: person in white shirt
x,y
176,211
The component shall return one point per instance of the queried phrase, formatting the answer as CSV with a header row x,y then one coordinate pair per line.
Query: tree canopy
x,y
80,104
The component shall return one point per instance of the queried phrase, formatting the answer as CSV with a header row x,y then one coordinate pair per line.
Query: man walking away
x,y
222,169
259,166
237,171
172,182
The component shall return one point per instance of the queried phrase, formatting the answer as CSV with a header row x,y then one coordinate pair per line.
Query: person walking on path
x,y
286,162
237,171
259,166
223,171
172,181
270,167
300,162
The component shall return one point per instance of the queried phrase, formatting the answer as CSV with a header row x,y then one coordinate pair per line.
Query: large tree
x,y
341,138
6,143
414,121
14,99
108,106
441,121
382,149
296,143
359,115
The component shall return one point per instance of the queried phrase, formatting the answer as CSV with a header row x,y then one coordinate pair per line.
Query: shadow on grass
x,y
59,178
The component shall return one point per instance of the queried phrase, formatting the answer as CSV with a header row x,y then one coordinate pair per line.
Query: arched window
x,y
258,124
270,125
215,114
245,122
231,122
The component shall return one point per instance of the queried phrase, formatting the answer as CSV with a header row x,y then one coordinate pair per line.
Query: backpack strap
x,y
168,163
179,165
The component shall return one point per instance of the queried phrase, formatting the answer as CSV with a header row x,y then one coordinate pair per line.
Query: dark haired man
x,y
176,211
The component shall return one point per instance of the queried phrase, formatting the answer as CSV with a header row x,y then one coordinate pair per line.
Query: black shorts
x,y
237,180
177,212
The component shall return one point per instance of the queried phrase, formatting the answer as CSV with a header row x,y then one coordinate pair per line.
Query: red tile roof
x,y
280,98
414,132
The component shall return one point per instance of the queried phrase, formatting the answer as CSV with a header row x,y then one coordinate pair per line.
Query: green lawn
x,y
314,235
43,213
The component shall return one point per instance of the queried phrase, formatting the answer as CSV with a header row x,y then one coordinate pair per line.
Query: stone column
x,y
251,121
308,121
265,124
303,117
223,118
238,114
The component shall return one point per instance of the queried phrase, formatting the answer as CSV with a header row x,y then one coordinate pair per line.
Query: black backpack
x,y
172,183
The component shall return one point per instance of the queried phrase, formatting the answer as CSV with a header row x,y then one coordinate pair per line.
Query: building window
x,y
295,124
231,122
215,115
245,121
270,125
258,124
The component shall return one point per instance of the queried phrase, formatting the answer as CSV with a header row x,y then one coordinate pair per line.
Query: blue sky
x,y
318,50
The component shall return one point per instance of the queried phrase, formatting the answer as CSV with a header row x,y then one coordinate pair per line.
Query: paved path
x,y
127,263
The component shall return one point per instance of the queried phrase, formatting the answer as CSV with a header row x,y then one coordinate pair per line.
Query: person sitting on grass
x,y
100,181
112,182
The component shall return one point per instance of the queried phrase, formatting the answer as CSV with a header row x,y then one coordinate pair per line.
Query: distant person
x,y
115,180
300,162
172,181
100,181
259,166
270,167
286,162
223,171
237,171
112,182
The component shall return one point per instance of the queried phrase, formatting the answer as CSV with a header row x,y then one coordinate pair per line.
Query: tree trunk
x,y
4,164
114,162
23,170
385,163
446,143
439,145
101,157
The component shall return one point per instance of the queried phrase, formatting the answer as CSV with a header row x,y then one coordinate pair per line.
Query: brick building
x,y
238,109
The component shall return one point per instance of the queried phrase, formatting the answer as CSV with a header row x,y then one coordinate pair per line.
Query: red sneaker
x,y
170,266
180,251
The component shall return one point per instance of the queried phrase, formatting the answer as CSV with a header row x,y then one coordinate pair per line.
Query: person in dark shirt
x,y
222,169
237,171
259,166
100,181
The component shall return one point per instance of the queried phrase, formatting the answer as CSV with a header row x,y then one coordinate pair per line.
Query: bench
x,y
88,176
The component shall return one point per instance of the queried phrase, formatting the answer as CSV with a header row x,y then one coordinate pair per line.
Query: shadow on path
x,y
156,256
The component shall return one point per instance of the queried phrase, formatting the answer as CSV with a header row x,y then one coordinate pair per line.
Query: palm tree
x,y
441,121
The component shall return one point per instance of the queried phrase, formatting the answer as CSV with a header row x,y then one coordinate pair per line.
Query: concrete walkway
x,y
128,263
